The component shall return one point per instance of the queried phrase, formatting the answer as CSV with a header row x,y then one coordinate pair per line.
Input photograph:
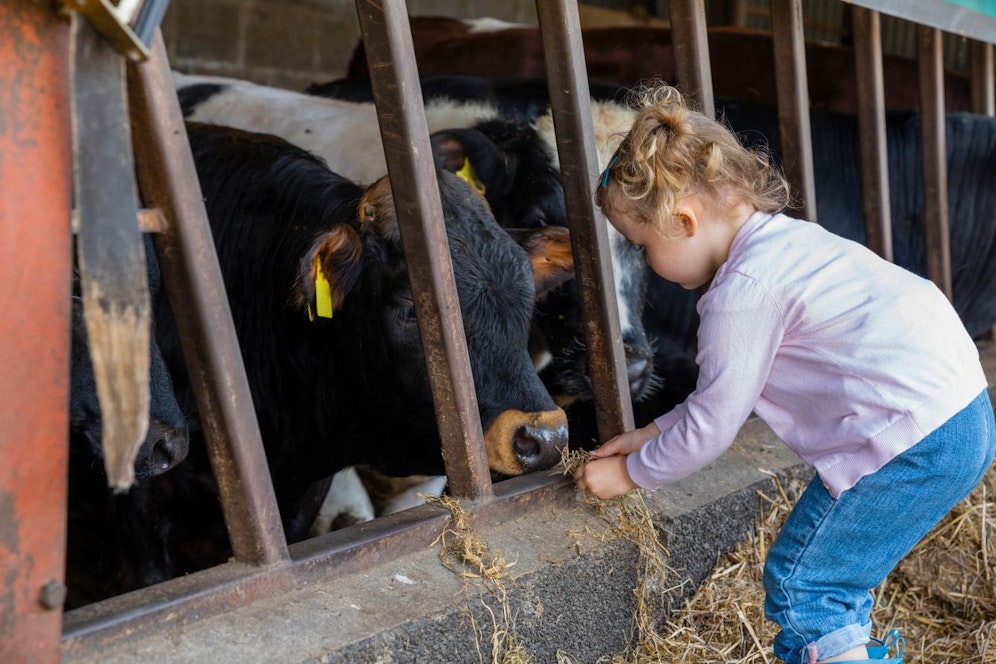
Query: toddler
x,y
861,367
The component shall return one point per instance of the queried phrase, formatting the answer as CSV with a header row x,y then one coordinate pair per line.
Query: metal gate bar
x,y
193,282
793,102
570,102
983,92
691,53
871,127
933,157
398,97
35,258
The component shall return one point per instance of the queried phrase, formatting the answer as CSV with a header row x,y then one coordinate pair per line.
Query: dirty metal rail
x,y
570,103
398,97
35,255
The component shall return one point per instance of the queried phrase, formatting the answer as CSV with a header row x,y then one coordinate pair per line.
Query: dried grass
x,y
464,553
942,596
632,520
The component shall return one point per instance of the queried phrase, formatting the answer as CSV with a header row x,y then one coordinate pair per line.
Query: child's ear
x,y
686,216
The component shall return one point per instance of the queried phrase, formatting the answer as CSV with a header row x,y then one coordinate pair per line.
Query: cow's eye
x,y
405,309
534,219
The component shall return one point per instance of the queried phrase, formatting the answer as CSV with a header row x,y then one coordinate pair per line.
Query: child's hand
x,y
627,443
605,478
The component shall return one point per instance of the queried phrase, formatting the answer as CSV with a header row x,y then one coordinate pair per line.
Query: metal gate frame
x,y
34,135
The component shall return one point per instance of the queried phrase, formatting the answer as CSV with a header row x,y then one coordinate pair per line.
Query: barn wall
x,y
293,43
290,43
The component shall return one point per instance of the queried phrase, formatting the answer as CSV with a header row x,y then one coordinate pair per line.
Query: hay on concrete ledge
x,y
941,597
631,519
465,554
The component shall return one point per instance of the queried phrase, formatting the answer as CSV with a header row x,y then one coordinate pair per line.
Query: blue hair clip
x,y
605,173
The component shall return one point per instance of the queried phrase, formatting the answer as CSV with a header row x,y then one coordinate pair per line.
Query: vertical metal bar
x,y
983,94
933,155
35,259
570,102
691,53
398,97
192,277
871,126
793,102
740,13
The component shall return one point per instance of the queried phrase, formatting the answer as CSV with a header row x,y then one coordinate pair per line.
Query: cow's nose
x,y
169,447
636,371
639,371
539,447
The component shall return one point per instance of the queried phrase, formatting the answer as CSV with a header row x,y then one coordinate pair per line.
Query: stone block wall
x,y
291,43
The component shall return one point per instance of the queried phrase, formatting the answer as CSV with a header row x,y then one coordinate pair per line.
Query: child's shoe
x,y
882,648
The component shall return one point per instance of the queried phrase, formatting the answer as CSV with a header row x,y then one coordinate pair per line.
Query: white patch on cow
x,y
415,495
491,24
345,134
446,113
347,500
611,121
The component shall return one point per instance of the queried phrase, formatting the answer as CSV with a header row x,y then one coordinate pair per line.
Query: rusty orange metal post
x,y
35,256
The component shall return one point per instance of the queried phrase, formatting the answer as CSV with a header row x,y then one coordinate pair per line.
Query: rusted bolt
x,y
53,595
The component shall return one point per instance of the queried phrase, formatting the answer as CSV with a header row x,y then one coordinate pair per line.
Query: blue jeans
x,y
831,553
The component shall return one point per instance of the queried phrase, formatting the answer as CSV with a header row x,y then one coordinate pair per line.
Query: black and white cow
x,y
971,166
514,160
315,275
522,99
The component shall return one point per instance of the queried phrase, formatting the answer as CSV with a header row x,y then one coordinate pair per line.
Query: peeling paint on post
x,y
35,202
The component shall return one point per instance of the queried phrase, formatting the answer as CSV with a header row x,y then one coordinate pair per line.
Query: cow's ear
x,y
376,211
549,250
447,150
470,154
329,270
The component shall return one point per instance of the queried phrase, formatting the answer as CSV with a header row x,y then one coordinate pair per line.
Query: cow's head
x,y
167,440
517,166
496,288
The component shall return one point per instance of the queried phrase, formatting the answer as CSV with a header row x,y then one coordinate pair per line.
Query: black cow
x,y
118,542
971,165
166,442
352,388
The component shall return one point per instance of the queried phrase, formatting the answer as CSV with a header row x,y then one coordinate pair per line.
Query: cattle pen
x,y
367,592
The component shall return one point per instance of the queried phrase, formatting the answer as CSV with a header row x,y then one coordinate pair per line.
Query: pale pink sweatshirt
x,y
849,359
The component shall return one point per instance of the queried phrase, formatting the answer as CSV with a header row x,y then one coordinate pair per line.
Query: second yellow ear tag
x,y
467,174
323,292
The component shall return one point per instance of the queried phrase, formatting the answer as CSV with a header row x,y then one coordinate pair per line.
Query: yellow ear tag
x,y
323,293
466,173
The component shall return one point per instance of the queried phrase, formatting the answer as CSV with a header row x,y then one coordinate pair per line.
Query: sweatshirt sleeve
x,y
740,331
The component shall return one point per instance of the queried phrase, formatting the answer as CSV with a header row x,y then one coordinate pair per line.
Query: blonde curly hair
x,y
672,151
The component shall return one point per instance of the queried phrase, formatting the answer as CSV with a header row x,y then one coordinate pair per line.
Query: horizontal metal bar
x,y
150,220
322,559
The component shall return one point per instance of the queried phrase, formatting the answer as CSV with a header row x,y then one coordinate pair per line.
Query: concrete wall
x,y
291,43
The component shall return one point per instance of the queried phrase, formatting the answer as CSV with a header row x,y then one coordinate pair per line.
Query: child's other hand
x,y
627,443
605,478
